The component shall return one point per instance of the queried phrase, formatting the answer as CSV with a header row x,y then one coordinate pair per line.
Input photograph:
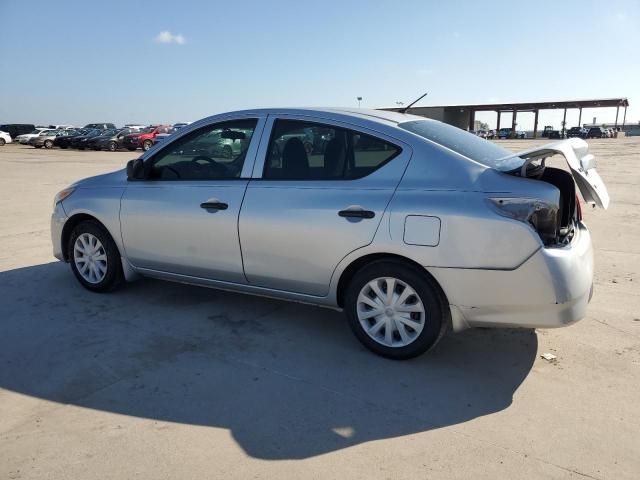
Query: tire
x,y
2,142
113,146
146,145
110,275
48,144
425,293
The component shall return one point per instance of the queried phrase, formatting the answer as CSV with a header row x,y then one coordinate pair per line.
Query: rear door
x,y
318,192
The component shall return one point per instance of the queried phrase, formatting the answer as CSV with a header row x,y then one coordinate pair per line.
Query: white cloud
x,y
168,37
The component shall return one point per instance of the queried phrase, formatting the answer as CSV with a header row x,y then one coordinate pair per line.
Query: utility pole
x,y
359,100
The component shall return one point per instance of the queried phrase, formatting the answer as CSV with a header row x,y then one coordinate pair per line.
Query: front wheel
x,y
146,145
113,146
2,142
94,257
395,310
48,144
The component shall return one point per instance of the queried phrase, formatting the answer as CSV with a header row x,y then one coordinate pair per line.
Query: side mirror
x,y
135,169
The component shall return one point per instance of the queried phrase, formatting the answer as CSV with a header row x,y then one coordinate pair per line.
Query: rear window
x,y
464,143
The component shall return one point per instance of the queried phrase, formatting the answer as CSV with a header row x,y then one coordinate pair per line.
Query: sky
x,y
76,62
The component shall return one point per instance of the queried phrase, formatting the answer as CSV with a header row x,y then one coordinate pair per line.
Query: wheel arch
x,y
71,223
349,272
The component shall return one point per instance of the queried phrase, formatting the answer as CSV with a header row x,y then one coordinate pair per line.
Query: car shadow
x,y
287,380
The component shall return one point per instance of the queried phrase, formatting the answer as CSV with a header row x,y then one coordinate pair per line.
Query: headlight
x,y
62,194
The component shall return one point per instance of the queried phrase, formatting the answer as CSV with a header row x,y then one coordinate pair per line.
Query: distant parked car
x,y
491,134
111,140
15,129
100,126
144,139
4,138
80,142
65,141
554,134
597,132
47,138
24,138
521,134
577,132
179,125
504,133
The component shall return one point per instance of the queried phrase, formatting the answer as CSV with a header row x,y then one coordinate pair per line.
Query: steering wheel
x,y
219,168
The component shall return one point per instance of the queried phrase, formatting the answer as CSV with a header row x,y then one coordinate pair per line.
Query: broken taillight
x,y
543,217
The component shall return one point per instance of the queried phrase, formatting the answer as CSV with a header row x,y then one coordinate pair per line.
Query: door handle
x,y
356,213
214,204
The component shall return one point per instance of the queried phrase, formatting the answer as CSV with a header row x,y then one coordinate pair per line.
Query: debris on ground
x,y
549,357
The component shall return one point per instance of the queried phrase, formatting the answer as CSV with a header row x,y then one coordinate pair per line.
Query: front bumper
x,y
58,218
550,289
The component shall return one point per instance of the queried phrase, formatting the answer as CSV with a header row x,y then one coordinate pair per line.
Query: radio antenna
x,y
404,110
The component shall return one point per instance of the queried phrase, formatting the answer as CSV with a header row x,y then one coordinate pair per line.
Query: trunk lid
x,y
581,163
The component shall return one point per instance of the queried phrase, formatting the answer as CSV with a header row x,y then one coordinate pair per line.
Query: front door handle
x,y
356,213
214,204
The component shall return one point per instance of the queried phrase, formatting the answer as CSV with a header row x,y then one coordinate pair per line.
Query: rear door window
x,y
300,150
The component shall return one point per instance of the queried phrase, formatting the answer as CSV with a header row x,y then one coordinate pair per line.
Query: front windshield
x,y
471,146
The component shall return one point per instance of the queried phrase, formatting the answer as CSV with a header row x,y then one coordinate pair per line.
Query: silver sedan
x,y
409,225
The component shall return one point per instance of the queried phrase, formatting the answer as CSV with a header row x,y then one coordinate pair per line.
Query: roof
x,y
524,106
384,116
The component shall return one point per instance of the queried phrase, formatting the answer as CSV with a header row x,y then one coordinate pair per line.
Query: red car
x,y
144,138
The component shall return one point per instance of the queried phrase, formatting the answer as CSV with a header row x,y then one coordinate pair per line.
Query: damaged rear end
x,y
555,222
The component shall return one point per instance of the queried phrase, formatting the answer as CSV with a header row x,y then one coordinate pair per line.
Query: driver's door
x,y
183,217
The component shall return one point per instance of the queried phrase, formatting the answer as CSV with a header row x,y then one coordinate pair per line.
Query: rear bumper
x,y
551,289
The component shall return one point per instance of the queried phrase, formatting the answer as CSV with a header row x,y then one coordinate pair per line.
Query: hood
x,y
113,179
581,163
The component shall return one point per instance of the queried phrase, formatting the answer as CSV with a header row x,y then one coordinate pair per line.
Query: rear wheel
x,y
2,142
94,257
395,310
48,144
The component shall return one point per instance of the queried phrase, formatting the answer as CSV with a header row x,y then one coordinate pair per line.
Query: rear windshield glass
x,y
465,143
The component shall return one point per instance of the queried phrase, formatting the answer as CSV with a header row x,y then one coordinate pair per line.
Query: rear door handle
x,y
356,213
214,204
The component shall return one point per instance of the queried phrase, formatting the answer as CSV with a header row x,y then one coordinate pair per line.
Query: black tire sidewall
x,y
113,146
114,274
435,321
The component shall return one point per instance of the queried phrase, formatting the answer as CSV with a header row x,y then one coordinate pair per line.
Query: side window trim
x,y
250,157
265,140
